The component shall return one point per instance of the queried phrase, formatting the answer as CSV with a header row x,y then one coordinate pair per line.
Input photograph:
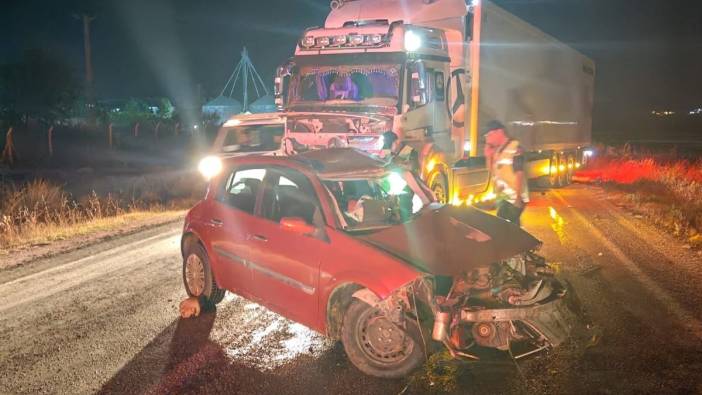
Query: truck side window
x,y
241,188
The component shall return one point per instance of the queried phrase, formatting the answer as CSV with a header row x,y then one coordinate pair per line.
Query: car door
x,y
287,274
232,221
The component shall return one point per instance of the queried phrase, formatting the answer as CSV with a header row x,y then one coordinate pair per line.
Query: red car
x,y
358,250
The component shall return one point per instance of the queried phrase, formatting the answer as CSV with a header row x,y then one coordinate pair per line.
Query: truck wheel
x,y
562,171
553,171
439,186
198,278
376,346
570,169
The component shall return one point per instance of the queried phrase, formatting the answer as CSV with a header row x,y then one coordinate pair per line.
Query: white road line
x,y
687,319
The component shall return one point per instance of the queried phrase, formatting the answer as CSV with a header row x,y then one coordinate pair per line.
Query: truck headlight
x,y
412,41
209,166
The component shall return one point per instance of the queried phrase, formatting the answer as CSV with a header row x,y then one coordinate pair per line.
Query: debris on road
x,y
190,307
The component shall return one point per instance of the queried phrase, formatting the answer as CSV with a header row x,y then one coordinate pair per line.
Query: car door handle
x,y
216,222
259,237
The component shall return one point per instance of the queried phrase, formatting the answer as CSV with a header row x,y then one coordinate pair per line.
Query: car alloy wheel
x,y
195,275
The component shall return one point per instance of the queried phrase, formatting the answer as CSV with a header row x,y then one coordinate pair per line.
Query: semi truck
x,y
435,72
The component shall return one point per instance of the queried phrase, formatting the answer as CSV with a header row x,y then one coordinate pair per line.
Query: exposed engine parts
x,y
518,301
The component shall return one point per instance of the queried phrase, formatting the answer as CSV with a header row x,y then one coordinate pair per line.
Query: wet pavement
x,y
105,319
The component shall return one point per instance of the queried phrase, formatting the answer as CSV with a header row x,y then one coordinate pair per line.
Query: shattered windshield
x,y
364,203
368,84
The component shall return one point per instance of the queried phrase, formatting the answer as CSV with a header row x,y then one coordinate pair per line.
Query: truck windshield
x,y
369,84
378,202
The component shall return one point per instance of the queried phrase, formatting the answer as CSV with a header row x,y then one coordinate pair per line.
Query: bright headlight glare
x,y
209,166
466,146
397,184
412,41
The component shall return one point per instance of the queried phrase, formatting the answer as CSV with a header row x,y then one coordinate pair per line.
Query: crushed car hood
x,y
448,240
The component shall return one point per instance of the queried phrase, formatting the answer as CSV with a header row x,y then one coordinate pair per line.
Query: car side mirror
x,y
282,83
297,225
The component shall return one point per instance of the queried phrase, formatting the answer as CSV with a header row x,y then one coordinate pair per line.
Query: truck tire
x,y
570,168
439,185
198,278
553,171
376,346
562,171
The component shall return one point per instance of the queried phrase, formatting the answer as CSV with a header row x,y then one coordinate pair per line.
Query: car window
x,y
250,138
240,189
289,193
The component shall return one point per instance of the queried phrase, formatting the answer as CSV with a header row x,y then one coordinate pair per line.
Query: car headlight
x,y
209,166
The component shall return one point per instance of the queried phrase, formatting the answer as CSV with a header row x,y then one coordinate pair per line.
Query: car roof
x,y
331,163
258,118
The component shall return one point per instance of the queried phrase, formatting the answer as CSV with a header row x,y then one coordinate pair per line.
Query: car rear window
x,y
252,138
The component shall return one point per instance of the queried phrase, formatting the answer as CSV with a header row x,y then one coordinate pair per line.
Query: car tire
x,y
198,278
395,354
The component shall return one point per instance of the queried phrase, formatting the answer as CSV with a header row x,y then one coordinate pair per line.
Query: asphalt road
x,y
105,319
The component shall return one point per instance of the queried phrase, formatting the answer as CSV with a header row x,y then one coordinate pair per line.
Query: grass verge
x,y
38,212
666,192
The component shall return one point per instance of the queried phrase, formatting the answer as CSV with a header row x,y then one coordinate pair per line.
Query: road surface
x,y
105,319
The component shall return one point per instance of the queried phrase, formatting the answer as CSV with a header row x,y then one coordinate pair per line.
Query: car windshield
x,y
251,138
390,199
367,84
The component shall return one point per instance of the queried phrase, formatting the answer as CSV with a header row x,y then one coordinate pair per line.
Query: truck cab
x,y
360,76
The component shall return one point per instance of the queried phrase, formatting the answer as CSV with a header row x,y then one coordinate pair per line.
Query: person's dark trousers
x,y
509,211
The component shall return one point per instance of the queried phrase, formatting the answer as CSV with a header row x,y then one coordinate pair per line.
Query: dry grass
x,y
39,212
667,192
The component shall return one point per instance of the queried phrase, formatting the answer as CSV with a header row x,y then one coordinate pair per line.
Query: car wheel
x,y
198,278
378,347
440,188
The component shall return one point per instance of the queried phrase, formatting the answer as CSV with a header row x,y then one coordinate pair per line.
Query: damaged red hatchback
x,y
358,250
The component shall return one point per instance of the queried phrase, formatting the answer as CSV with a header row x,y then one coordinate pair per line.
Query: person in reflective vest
x,y
505,158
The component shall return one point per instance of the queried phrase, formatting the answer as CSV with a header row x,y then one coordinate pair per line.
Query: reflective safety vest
x,y
504,176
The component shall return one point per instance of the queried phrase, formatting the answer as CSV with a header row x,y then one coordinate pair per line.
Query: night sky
x,y
648,53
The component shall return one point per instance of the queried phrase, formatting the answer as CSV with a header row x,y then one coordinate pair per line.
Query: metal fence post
x,y
8,153
109,135
50,136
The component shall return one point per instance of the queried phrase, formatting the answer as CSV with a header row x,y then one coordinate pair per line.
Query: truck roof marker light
x,y
323,41
375,39
340,40
307,42
356,39
412,41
